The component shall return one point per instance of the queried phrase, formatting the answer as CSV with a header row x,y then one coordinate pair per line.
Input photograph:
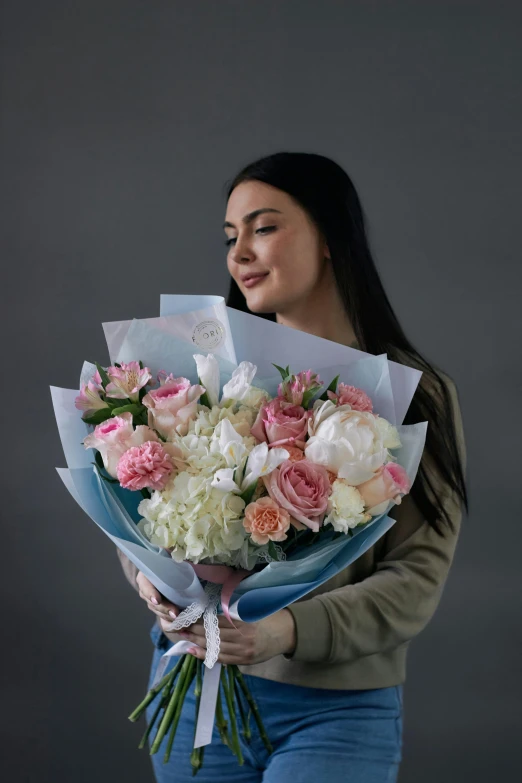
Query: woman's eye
x,y
263,229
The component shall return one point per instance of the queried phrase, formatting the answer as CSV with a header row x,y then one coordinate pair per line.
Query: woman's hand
x,y
250,643
156,602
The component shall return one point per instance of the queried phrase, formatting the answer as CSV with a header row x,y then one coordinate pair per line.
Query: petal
x,y
239,385
208,372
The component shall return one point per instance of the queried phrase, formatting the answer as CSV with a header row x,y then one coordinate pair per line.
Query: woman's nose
x,y
242,251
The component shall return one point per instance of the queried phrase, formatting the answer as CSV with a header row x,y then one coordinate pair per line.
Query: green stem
x,y
244,717
169,712
221,722
188,677
255,710
151,695
196,757
228,686
161,705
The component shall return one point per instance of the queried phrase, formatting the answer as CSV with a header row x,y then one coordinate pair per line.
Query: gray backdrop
x,y
121,123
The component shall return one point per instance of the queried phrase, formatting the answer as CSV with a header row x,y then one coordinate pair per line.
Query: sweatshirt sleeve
x,y
129,569
390,607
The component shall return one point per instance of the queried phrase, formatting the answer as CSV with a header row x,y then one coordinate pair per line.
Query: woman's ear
x,y
326,252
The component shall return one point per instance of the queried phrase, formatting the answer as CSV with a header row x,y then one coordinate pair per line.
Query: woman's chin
x,y
259,304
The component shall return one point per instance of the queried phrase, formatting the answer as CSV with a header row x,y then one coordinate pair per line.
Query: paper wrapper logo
x,y
208,334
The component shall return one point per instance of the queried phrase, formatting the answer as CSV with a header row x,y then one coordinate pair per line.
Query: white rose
x,y
347,442
345,507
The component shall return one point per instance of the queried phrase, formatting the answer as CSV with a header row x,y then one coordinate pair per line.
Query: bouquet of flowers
x,y
219,487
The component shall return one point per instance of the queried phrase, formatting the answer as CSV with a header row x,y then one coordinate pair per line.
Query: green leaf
x,y
332,387
115,402
248,494
98,416
133,408
284,373
309,395
204,400
272,551
103,375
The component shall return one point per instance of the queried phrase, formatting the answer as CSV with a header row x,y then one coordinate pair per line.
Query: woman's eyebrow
x,y
251,216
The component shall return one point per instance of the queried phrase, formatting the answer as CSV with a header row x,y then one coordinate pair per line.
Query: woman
x,y
328,671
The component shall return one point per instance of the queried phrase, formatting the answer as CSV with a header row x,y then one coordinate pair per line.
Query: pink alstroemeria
x,y
294,390
89,399
127,380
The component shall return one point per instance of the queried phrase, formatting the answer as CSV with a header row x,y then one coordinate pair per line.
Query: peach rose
x,y
295,453
266,521
389,483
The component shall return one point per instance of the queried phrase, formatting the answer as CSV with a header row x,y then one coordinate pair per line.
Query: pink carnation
x,y
351,395
147,465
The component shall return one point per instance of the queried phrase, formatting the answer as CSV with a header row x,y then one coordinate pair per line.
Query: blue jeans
x,y
318,736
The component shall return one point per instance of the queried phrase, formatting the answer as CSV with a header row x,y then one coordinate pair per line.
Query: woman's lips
x,y
252,281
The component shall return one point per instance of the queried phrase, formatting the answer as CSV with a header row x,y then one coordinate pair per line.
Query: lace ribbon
x,y
207,609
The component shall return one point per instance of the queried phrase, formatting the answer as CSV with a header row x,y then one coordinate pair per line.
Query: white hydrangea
x,y
194,519
255,397
345,507
190,517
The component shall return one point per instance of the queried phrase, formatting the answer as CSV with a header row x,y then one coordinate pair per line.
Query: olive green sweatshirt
x,y
353,631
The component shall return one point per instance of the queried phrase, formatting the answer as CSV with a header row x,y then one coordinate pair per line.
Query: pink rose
x,y
302,488
389,483
351,395
114,437
279,423
266,521
173,405
147,465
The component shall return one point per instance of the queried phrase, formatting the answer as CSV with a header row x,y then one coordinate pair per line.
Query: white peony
x,y
345,441
345,507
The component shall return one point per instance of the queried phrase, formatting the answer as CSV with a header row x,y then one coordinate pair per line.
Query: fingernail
x,y
153,600
193,651
173,614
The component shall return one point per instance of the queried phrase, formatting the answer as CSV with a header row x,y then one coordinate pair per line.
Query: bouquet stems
x,y
174,688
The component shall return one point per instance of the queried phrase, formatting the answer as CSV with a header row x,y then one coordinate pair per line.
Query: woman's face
x,y
272,240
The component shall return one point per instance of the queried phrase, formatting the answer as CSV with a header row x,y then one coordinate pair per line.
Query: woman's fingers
x,y
154,598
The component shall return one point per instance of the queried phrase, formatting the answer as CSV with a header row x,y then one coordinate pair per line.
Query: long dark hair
x,y
326,192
